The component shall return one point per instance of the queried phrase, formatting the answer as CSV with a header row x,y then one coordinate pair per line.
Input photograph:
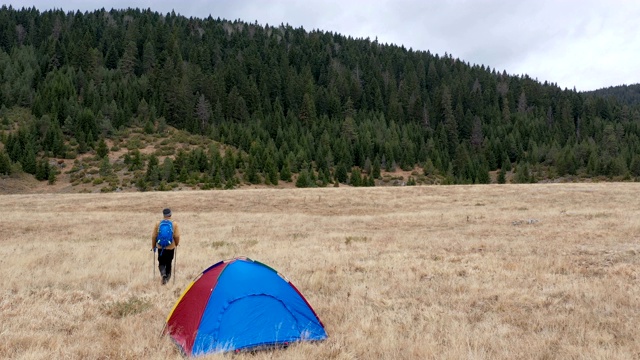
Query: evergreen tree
x,y
450,122
135,160
203,114
5,163
285,172
102,150
153,174
367,166
106,169
251,171
341,173
304,179
634,168
42,170
28,161
502,179
148,127
129,62
271,172
307,110
52,176
482,173
375,170
356,178
229,166
168,170
523,174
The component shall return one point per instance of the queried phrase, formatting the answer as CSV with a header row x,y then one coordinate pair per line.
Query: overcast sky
x,y
586,44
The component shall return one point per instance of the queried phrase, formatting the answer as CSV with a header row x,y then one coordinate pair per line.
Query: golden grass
x,y
458,272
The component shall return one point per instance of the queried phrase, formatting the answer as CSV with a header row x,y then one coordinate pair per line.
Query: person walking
x,y
165,240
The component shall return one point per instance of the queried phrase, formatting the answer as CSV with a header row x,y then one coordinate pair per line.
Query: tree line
x,y
318,104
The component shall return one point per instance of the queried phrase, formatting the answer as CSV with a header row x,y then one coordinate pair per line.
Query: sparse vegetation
x,y
218,243
351,239
123,308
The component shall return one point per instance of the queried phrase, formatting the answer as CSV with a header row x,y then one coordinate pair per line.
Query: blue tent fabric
x,y
253,306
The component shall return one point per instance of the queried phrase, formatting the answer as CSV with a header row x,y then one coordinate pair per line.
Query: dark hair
x,y
166,212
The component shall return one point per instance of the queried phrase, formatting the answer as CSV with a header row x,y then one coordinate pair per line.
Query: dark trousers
x,y
165,258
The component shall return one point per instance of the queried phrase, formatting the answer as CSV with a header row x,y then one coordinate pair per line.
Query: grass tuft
x,y
351,239
132,306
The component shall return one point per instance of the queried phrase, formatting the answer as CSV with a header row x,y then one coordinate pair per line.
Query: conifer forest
x,y
279,104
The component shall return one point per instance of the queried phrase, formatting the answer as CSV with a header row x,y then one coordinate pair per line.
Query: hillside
x,y
281,104
625,94
122,168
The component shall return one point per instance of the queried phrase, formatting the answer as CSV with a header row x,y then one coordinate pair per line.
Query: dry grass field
x,y
433,272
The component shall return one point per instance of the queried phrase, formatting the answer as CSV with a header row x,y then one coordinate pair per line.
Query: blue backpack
x,y
165,234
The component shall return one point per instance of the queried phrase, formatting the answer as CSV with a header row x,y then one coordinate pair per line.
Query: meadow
x,y
544,271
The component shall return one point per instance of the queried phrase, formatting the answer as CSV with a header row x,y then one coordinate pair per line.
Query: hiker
x,y
165,239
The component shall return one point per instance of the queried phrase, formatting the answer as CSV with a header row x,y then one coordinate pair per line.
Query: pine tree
x,y
285,172
304,180
482,173
153,175
5,163
271,171
251,171
367,166
102,150
148,58
28,161
203,114
129,62
148,127
52,176
111,59
341,173
634,168
168,170
375,170
42,170
135,162
356,178
502,178
450,123
106,169
523,174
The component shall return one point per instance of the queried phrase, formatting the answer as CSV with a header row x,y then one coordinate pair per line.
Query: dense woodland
x,y
286,103
627,94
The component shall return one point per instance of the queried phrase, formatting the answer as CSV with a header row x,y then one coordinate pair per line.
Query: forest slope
x,y
284,104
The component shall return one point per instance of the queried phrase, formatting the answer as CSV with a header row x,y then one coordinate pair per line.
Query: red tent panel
x,y
189,310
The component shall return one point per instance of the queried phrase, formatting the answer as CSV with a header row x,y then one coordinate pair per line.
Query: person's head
x,y
166,212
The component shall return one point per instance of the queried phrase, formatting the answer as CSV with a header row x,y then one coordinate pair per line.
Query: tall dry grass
x,y
457,272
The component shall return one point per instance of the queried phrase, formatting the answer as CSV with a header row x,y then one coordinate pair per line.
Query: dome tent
x,y
241,304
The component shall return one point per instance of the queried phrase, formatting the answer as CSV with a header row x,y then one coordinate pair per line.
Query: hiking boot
x,y
163,270
165,279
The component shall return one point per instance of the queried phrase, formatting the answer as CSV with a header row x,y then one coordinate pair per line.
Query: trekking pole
x,y
153,263
175,265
